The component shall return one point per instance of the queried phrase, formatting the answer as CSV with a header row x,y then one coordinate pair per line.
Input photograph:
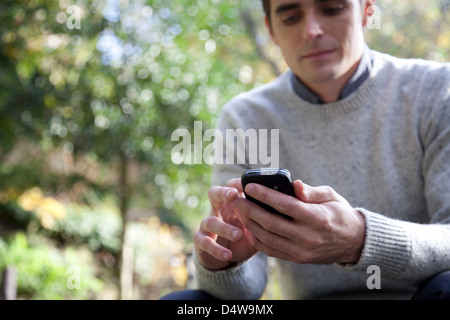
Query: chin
x,y
321,76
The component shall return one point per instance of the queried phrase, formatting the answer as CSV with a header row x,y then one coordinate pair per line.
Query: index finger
x,y
218,195
235,183
284,203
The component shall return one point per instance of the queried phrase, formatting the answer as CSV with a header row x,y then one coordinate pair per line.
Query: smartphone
x,y
278,179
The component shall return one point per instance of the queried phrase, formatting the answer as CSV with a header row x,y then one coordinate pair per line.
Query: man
x,y
369,137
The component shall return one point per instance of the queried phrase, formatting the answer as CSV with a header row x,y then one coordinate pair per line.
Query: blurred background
x,y
92,205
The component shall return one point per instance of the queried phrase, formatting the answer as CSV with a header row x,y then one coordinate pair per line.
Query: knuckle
x,y
203,224
212,192
327,226
271,223
312,243
285,204
268,241
206,243
329,191
198,238
208,223
324,222
218,194
312,194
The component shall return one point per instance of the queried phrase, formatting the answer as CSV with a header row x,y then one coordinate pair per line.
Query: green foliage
x,y
98,227
413,29
44,273
158,249
118,87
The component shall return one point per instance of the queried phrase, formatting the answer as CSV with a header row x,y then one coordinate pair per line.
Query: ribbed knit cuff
x,y
387,245
246,280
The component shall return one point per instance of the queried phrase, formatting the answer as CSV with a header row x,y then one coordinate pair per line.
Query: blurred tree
x,y
113,86
413,29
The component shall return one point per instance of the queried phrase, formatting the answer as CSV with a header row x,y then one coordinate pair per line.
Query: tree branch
x,y
251,28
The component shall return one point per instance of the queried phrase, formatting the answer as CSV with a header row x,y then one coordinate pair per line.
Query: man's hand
x,y
325,230
222,239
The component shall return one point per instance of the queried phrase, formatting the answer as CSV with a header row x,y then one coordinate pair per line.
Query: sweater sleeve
x,y
411,252
406,252
245,281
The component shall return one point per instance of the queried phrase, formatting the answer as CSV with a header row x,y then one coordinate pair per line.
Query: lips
x,y
318,54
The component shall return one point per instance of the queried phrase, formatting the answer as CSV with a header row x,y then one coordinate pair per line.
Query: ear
x,y
368,11
269,28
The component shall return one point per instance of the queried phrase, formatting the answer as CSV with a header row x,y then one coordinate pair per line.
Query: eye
x,y
291,16
292,19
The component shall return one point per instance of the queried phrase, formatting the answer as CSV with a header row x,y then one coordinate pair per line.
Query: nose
x,y
312,28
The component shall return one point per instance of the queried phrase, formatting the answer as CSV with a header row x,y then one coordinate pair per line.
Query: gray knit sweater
x,y
386,149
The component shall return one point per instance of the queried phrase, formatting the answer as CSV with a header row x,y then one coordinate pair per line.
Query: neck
x,y
330,91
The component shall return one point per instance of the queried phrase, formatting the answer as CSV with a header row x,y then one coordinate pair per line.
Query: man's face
x,y
321,40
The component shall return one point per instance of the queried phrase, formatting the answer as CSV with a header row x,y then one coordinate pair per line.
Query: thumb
x,y
309,194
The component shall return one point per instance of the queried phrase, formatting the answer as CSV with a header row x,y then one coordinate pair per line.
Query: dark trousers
x,y
436,288
189,295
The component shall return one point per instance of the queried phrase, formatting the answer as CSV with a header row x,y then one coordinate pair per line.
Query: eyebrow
x,y
289,6
286,7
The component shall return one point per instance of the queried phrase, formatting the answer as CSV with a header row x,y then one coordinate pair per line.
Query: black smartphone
x,y
275,178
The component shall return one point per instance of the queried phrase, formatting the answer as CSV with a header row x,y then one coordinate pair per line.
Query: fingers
x,y
218,195
275,235
235,183
213,227
271,252
250,212
283,203
222,194
303,210
209,245
318,232
271,244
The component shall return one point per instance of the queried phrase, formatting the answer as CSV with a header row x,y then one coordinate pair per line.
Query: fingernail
x,y
225,255
235,234
229,193
249,188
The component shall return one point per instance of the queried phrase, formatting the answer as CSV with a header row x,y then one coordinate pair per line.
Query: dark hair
x,y
266,7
